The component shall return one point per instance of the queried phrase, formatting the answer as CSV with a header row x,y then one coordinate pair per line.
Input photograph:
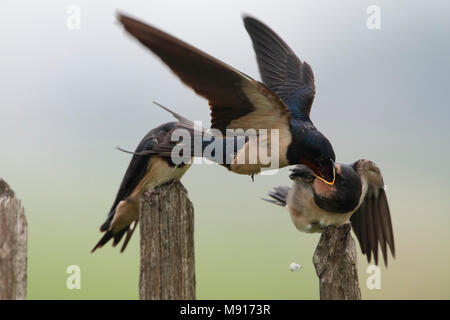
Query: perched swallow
x,y
358,195
145,171
239,102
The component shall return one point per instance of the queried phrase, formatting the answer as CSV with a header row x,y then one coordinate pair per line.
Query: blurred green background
x,y
70,96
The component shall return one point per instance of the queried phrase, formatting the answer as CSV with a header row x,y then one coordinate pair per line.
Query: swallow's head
x,y
318,154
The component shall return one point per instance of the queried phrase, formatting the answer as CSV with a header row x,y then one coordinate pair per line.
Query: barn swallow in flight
x,y
358,195
239,102
145,171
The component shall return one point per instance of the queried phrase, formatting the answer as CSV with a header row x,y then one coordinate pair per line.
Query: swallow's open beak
x,y
334,175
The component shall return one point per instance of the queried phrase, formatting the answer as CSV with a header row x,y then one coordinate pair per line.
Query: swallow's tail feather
x,y
129,232
279,195
115,229
117,236
106,237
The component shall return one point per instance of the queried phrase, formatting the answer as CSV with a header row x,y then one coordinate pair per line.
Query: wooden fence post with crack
x,y
336,264
167,269
13,246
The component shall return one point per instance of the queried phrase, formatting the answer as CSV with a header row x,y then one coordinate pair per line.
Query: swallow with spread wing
x,y
146,171
239,102
358,195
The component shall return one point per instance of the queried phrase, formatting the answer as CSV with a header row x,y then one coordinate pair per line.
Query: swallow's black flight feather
x,y
281,70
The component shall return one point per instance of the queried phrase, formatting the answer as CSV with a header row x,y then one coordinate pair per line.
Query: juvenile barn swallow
x,y
239,102
145,171
358,195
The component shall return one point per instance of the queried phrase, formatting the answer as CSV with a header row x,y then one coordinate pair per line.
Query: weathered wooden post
x,y
167,268
13,246
336,264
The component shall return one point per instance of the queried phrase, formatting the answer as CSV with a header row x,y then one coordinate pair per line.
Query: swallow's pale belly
x,y
158,173
263,152
307,216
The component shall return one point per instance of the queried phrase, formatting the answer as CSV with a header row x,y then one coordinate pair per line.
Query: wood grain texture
x,y
167,268
336,264
13,246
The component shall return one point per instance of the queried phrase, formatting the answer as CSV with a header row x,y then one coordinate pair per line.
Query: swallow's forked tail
x,y
116,236
279,195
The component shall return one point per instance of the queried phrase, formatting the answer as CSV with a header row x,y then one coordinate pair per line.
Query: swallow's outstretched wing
x,y
236,100
281,70
372,221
